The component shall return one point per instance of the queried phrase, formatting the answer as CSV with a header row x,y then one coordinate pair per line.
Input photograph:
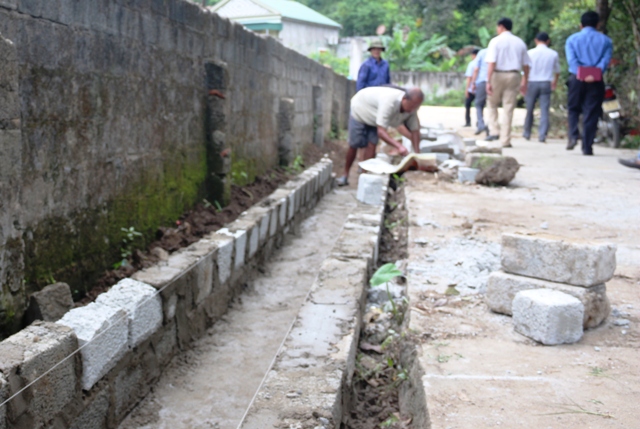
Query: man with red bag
x,y
588,54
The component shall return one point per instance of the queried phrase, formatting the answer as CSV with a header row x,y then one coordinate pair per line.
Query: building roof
x,y
253,11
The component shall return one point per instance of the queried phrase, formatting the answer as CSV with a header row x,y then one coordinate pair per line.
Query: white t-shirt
x,y
508,52
544,64
380,107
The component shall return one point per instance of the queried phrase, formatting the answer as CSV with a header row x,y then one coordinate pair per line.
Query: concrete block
x,y
557,259
372,188
282,212
28,355
503,287
224,255
474,160
466,174
548,316
103,332
427,146
273,219
9,4
291,205
4,395
157,275
50,304
265,225
142,304
240,237
95,412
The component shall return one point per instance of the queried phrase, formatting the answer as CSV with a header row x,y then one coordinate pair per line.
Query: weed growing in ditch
x,y
296,166
384,275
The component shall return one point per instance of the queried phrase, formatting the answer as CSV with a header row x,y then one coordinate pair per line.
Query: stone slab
x,y
224,255
548,316
503,287
558,259
142,304
50,303
240,237
372,188
103,335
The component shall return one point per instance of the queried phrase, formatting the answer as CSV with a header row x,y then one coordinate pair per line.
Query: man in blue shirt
x,y
469,90
479,80
374,71
587,48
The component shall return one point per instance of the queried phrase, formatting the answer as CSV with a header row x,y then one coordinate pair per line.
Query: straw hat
x,y
376,44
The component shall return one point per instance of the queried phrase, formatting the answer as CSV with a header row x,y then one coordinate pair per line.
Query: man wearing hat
x,y
374,71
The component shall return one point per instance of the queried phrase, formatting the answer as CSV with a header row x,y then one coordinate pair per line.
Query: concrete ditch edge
x,y
309,383
194,287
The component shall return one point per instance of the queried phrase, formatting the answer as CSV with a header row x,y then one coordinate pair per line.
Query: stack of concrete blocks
x,y
311,379
578,269
110,352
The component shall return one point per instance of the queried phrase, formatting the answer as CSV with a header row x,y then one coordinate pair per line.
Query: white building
x,y
297,26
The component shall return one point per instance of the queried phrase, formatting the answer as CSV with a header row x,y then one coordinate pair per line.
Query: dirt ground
x,y
479,373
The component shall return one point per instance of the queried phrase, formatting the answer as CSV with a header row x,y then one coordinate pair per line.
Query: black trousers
x,y
586,99
467,108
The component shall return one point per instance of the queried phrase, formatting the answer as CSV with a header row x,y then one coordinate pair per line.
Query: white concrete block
x,y
291,205
254,240
282,212
273,220
466,174
548,316
224,255
142,304
240,245
265,225
503,287
372,188
103,335
558,259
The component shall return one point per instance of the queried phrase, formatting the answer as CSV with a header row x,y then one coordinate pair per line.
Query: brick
x,y
372,188
142,304
558,259
28,355
548,316
103,332
50,304
503,287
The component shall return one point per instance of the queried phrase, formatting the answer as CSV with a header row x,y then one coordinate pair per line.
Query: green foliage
x,y
453,98
411,52
129,239
296,166
484,36
328,59
385,274
631,142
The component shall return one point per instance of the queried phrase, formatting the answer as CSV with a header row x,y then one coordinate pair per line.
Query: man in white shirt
x,y
469,91
506,57
543,79
373,111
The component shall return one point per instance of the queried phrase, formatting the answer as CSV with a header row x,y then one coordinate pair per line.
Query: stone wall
x,y
89,369
108,124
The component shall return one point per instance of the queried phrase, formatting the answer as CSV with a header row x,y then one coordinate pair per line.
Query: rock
x,y
503,287
372,188
50,304
557,259
621,322
475,160
483,149
466,174
548,316
378,294
498,171
160,253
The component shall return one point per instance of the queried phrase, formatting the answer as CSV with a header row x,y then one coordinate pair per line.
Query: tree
x,y
603,7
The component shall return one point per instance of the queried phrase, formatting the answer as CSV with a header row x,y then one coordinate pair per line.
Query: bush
x,y
453,98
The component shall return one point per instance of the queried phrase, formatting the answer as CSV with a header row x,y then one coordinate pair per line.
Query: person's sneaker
x,y
466,125
572,143
342,181
527,138
632,163
492,138
542,140
481,130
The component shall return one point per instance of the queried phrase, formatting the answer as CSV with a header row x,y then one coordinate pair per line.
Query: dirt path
x,y
479,373
211,385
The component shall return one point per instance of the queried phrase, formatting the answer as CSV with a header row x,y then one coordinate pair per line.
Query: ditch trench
x,y
212,385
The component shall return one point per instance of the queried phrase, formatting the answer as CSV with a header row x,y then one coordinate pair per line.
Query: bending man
x,y
375,110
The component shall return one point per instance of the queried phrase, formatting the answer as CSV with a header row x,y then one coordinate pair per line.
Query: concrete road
x,y
479,373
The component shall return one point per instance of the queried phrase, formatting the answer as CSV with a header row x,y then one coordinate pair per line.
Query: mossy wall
x,y
114,128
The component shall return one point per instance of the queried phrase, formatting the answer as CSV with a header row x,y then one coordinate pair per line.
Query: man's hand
x,y
489,89
403,150
554,85
473,87
523,88
466,93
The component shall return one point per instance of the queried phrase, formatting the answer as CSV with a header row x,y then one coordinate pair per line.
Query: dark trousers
x,y
467,108
586,99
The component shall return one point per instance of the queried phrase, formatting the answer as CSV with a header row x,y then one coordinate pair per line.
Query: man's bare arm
x,y
384,135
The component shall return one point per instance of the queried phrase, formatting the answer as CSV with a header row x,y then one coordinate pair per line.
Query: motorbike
x,y
610,123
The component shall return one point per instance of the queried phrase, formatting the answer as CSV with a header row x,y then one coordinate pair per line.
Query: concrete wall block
x,y
94,414
50,304
29,354
558,259
142,304
9,4
204,278
548,316
265,225
127,389
372,188
103,332
291,206
4,395
503,287
165,344
224,255
241,239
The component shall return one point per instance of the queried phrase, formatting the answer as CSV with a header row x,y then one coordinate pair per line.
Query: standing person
x,y
373,111
479,80
543,79
586,50
469,90
506,57
374,71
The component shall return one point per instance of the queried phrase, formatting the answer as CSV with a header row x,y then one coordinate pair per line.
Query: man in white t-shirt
x,y
543,79
507,58
373,111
